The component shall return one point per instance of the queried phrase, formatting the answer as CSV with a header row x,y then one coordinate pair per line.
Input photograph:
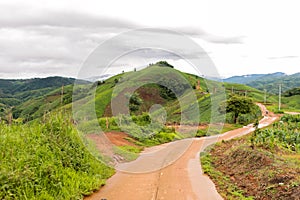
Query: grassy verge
x,y
47,161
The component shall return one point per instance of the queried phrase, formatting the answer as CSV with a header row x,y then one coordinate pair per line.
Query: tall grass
x,y
47,161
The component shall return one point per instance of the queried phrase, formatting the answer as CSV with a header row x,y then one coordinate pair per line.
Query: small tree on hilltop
x,y
237,105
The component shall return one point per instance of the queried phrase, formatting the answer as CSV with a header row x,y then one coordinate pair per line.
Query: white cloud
x,y
39,38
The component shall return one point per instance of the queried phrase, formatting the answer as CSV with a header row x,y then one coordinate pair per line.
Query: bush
x,y
284,134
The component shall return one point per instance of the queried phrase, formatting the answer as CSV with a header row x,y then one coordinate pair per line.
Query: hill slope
x,y
14,91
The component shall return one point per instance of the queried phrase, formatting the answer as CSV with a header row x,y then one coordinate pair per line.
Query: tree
x,y
8,115
163,64
237,105
134,102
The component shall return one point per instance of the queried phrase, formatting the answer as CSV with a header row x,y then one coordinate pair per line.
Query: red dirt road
x,y
182,179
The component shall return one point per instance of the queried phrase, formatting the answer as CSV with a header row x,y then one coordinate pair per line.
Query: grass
x,y
47,161
127,152
291,104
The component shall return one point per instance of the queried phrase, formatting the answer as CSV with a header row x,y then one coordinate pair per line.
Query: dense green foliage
x,y
238,105
47,161
134,102
292,92
284,134
162,64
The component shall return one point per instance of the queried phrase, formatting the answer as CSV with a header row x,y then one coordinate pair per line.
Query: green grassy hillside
x,y
148,94
47,160
13,91
29,103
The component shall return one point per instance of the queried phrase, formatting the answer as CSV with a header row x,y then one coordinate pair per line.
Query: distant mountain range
x,y
251,77
270,82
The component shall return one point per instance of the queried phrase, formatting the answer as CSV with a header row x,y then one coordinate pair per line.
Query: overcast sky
x,y
46,38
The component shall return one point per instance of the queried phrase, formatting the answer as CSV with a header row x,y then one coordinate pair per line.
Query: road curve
x,y
182,179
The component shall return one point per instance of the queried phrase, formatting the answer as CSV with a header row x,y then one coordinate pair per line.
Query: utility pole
x,y
279,100
62,95
231,89
265,98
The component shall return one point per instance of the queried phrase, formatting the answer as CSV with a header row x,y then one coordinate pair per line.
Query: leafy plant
x,y
284,134
237,105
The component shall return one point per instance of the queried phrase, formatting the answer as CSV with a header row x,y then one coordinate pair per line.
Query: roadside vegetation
x,y
263,165
47,160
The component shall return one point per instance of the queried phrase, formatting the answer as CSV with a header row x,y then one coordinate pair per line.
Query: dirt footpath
x,y
182,179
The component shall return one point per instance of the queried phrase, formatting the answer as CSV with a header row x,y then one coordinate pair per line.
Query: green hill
x,y
32,98
150,94
270,82
16,91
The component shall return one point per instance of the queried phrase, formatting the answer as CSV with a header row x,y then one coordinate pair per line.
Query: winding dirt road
x,y
182,179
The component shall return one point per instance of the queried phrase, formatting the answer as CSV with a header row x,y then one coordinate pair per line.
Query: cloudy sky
x,y
45,38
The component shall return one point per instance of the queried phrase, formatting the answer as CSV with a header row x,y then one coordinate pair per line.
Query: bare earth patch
x,y
258,172
119,138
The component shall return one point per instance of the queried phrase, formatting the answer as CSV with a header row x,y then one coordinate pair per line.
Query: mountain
x,y
244,79
13,86
270,82
15,91
145,95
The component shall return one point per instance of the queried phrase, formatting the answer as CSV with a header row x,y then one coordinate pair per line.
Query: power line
x,y
279,100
